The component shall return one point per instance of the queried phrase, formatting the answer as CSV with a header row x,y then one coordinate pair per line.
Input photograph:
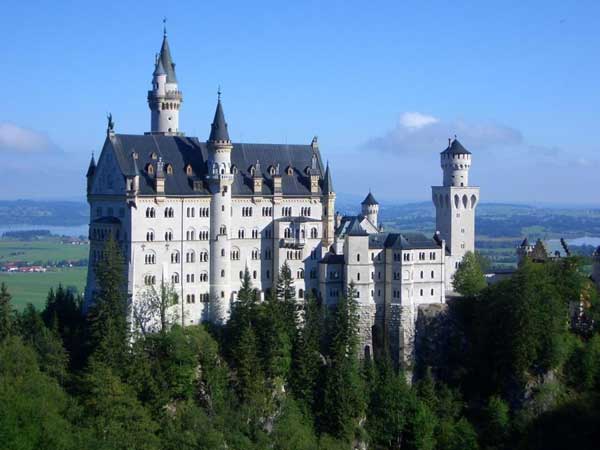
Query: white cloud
x,y
14,138
417,132
416,120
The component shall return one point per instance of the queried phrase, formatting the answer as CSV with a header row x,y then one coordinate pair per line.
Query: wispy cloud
x,y
17,139
416,132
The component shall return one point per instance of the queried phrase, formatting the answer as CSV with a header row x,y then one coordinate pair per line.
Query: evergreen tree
x,y
286,296
343,400
469,279
107,320
6,313
307,359
247,366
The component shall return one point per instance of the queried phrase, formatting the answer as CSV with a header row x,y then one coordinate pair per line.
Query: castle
x,y
195,213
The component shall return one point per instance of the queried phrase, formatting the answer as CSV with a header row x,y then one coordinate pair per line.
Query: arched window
x,y
222,252
223,229
150,236
287,233
235,254
254,274
188,170
175,257
150,169
168,236
204,255
314,234
190,256
300,293
175,278
358,257
241,233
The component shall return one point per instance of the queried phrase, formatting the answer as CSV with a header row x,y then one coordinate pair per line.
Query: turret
x,y
455,162
220,180
165,97
523,251
370,209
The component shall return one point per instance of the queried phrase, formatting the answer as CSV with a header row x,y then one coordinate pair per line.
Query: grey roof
x,y
369,200
167,61
347,223
218,129
327,183
403,241
91,168
456,148
356,230
160,68
179,151
331,258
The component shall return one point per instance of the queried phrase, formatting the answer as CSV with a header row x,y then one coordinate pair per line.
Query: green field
x,y
40,251
33,287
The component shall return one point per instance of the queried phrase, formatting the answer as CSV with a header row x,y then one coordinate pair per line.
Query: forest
x,y
520,370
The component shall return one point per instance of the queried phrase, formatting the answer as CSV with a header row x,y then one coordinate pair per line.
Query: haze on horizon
x,y
382,87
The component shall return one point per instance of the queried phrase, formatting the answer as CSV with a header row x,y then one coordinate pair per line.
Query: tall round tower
x,y
455,203
165,98
220,180
370,209
455,162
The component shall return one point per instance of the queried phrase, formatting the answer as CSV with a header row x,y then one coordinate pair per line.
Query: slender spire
x,y
327,182
218,129
160,68
166,59
92,167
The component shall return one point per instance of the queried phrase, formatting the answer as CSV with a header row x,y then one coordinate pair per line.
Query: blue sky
x,y
383,85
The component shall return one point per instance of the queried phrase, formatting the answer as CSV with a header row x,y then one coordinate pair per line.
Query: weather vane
x,y
219,93
165,26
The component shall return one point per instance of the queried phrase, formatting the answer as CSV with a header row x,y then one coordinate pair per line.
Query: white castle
x,y
195,213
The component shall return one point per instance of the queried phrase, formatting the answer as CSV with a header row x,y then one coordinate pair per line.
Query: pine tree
x,y
343,400
247,366
6,313
286,295
108,324
306,361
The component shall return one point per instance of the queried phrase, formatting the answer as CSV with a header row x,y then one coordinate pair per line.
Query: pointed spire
x,y
257,170
167,61
136,171
327,182
369,199
92,167
160,68
218,129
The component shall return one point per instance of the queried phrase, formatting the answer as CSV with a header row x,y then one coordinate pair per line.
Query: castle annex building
x,y
194,213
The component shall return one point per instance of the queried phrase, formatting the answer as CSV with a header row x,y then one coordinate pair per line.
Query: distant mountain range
x,y
494,220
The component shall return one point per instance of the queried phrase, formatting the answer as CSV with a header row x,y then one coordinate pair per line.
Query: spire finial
x,y
219,93
164,26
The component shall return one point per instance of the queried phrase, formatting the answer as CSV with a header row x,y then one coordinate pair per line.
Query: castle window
x,y
189,278
204,276
358,258
422,274
204,256
223,230
301,274
222,252
358,276
314,233
203,235
154,156
241,233
300,293
168,236
255,253
287,233
169,169
150,258
432,292
175,257
150,236
254,274
190,256
175,278
421,292
432,274
222,276
241,274
235,254
150,213
188,170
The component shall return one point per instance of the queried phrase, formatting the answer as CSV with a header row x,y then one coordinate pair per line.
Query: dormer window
x,y
154,155
188,170
134,155
289,171
150,169
272,170
252,170
234,170
169,168
307,170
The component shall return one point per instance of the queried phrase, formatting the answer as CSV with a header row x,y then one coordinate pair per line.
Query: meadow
x,y
40,251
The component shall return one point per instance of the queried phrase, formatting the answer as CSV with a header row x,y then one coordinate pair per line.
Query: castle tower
x,y
328,217
165,97
370,209
455,202
90,174
220,180
596,267
523,251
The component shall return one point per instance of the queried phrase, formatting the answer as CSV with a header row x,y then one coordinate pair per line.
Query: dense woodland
x,y
518,372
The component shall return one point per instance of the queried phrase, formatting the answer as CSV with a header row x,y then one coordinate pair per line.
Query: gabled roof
x,y
179,151
369,200
167,61
456,148
218,129
356,230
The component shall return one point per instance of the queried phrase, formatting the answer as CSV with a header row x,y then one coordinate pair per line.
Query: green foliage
x,y
469,279
6,313
107,320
